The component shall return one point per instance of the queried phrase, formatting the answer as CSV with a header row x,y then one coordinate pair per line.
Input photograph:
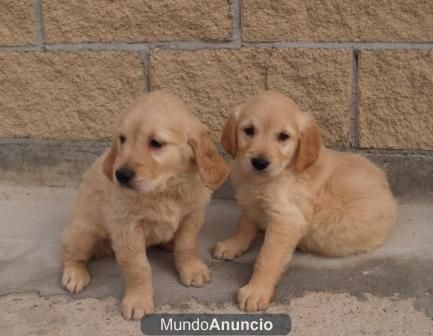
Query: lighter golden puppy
x,y
301,193
151,187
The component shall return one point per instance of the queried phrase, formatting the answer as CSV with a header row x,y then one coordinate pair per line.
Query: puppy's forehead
x,y
159,111
271,109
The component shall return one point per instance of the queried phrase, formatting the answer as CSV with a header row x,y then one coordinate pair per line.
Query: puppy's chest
x,y
264,202
160,221
254,207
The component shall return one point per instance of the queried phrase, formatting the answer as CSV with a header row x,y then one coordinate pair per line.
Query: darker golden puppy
x,y
151,187
301,193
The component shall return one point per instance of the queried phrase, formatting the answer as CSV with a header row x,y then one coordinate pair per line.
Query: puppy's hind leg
x,y
342,228
78,246
235,246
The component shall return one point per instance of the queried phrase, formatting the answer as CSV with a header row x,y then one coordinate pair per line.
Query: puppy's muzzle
x,y
259,163
124,176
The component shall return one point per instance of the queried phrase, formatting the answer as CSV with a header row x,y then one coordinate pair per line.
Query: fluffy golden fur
x,y
301,193
171,167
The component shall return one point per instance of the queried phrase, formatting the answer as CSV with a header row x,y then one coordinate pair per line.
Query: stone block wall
x,y
364,68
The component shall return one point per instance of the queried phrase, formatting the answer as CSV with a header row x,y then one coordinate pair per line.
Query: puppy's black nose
x,y
124,175
259,163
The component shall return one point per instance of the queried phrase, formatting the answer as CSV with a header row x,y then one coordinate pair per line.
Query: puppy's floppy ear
x,y
309,144
212,168
229,137
107,165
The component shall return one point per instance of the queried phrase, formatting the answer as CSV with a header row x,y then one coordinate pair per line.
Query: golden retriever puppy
x,y
301,193
150,188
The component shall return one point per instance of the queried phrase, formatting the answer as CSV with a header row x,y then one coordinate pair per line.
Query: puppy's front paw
x,y
253,297
194,273
135,305
228,250
75,278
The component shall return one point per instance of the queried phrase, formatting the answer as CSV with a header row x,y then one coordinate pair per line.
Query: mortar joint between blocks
x,y
236,13
198,45
354,103
39,23
145,59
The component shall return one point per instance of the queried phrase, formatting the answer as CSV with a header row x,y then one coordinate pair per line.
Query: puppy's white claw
x,y
227,250
194,273
134,306
252,298
75,278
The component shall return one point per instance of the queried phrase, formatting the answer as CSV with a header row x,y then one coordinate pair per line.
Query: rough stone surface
x,y
214,82
66,95
335,20
314,314
134,21
16,22
320,81
395,104
30,314
425,304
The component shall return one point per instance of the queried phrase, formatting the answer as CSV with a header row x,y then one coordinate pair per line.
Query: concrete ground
x,y
386,292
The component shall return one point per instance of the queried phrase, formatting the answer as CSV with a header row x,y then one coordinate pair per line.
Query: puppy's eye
x,y
249,130
122,139
155,143
283,136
